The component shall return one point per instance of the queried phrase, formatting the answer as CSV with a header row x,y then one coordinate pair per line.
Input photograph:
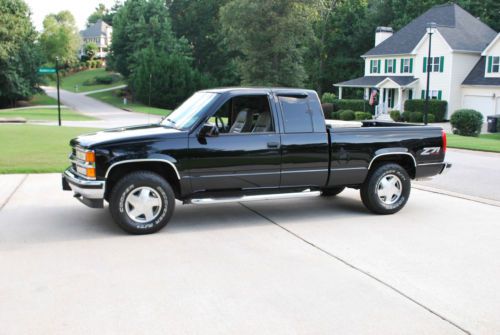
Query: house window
x,y
374,66
433,94
390,66
406,65
495,64
434,64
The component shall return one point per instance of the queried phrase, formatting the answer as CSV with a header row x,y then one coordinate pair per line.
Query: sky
x,y
81,9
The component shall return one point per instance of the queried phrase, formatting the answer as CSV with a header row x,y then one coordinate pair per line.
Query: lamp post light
x,y
431,27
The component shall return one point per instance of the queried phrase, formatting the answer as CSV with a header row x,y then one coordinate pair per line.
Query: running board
x,y
244,198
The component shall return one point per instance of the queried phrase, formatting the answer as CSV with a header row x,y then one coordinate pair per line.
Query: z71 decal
x,y
430,151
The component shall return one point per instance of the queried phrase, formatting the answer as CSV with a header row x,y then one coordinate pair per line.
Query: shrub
x,y
395,115
346,115
104,79
362,116
431,118
467,122
436,107
335,115
416,117
405,116
351,104
327,110
328,97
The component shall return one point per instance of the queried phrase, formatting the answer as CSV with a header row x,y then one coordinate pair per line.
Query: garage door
x,y
485,105
498,106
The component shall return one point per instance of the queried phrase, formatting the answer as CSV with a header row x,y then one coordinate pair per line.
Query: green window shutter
x,y
410,94
490,63
440,94
401,66
385,66
425,65
379,63
441,64
422,96
394,66
411,65
371,65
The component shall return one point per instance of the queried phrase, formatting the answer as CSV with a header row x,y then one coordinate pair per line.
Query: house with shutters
x,y
99,33
463,67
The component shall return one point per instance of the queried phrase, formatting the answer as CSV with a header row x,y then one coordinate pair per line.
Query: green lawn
x,y
36,149
42,99
485,142
68,83
112,98
43,114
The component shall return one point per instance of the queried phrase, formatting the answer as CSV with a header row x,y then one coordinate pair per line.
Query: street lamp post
x,y
58,97
430,30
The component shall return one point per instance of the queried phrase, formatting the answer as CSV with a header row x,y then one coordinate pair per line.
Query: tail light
x,y
444,140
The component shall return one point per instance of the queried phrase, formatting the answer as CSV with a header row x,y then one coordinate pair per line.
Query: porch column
x,y
366,96
340,92
381,101
400,98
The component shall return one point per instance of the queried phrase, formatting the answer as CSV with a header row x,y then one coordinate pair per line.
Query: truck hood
x,y
127,134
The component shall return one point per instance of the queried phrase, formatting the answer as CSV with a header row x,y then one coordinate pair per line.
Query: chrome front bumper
x,y
90,192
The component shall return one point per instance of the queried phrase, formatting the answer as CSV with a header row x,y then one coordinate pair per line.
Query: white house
x,y
99,33
464,62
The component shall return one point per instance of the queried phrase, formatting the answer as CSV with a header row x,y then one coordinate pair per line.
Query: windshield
x,y
190,112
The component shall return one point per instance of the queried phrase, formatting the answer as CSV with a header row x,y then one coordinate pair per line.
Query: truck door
x,y
304,141
244,154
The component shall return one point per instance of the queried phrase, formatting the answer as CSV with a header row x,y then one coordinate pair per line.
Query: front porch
x,y
387,93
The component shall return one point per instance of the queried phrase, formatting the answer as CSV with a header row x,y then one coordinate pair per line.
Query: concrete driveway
x,y
302,266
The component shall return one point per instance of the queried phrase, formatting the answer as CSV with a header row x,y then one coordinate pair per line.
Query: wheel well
x,y
404,160
163,169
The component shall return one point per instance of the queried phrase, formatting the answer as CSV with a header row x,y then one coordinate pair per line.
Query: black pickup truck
x,y
241,144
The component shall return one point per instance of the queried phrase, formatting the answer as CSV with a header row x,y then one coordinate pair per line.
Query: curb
x,y
457,195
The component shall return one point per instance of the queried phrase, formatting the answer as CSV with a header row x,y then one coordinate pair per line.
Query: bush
x,y
467,122
327,110
431,118
416,117
328,97
335,115
107,79
346,115
436,107
362,116
352,104
405,116
395,115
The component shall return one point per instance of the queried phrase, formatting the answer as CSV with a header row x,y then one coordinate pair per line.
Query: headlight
x,y
84,162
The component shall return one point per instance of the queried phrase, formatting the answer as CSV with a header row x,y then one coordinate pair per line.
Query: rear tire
x,y
331,192
142,202
386,189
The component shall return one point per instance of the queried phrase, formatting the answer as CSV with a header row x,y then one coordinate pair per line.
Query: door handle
x,y
273,145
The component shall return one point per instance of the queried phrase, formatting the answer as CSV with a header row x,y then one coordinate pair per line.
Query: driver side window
x,y
244,115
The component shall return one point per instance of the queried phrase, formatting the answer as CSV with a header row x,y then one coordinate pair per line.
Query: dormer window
x,y
493,64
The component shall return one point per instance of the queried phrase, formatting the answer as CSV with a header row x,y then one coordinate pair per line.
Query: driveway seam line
x,y
13,192
354,267
484,201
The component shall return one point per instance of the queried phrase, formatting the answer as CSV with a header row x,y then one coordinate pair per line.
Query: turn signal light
x,y
444,140
90,157
91,172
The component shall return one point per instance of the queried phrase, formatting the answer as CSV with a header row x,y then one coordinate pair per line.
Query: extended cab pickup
x,y
241,144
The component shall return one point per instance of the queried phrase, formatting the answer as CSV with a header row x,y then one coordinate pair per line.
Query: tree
x,y
198,22
19,55
164,80
271,37
103,13
137,25
90,50
60,38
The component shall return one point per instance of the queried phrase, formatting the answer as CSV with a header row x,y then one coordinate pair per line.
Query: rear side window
x,y
297,117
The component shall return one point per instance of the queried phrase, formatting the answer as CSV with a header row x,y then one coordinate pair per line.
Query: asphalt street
x,y
301,266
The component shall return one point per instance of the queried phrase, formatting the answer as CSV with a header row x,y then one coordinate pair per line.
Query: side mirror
x,y
208,130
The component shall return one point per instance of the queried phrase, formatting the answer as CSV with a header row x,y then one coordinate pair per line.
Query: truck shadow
x,y
76,222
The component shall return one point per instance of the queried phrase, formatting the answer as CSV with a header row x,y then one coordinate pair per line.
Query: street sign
x,y
46,70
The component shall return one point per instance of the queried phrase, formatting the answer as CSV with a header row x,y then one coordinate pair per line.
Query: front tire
x,y
142,202
386,189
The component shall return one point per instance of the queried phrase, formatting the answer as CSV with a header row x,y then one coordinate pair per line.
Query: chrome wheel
x,y
143,204
389,189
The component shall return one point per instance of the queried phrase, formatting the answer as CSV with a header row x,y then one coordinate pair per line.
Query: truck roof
x,y
260,90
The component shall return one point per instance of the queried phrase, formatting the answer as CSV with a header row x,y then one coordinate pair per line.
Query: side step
x,y
244,198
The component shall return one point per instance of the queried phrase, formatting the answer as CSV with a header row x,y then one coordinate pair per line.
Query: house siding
x,y
493,51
